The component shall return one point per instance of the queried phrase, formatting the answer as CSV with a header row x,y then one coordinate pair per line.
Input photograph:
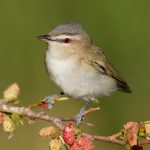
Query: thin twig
x,y
91,110
105,139
143,142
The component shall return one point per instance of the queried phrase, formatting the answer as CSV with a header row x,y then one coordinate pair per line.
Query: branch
x,y
10,116
58,122
26,112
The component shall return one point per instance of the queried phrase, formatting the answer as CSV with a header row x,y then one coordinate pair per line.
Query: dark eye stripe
x,y
66,40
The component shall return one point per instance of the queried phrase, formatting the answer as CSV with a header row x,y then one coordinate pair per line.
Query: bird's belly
x,y
79,82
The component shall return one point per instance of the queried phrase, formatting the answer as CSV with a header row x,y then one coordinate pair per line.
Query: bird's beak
x,y
44,37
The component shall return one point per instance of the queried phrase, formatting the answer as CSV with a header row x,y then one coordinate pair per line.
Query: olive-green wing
x,y
97,59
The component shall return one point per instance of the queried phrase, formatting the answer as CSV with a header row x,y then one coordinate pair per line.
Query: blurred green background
x,y
121,28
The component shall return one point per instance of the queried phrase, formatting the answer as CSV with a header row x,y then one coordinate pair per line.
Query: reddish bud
x,y
85,143
75,146
1,118
137,147
69,134
43,105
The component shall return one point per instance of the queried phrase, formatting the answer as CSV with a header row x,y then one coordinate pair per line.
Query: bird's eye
x,y
67,40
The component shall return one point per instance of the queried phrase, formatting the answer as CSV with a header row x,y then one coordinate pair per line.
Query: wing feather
x,y
97,59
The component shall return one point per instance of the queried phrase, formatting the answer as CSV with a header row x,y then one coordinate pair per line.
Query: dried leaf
x,y
55,144
11,93
8,125
131,132
147,128
47,131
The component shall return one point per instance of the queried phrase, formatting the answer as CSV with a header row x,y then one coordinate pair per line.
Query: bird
x,y
79,67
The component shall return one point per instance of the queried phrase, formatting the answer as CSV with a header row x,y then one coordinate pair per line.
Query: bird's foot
x,y
79,117
50,100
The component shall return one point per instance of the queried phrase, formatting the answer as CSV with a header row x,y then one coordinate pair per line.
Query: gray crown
x,y
70,28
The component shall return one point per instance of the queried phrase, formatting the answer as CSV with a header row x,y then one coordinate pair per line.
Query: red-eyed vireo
x,y
78,66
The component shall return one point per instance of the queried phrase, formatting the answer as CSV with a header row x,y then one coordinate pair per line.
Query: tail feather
x,y
123,86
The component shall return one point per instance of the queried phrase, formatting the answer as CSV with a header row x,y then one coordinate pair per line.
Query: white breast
x,y
76,81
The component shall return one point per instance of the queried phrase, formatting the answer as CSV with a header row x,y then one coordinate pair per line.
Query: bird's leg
x,y
51,99
80,115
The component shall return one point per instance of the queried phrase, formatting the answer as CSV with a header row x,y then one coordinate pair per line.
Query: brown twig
x,y
116,135
107,139
58,122
23,111
90,110
143,142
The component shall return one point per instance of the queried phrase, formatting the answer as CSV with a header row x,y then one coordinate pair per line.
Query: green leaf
x,y
17,120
